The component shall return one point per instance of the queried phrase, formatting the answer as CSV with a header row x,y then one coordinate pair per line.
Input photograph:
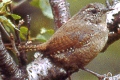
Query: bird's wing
x,y
64,40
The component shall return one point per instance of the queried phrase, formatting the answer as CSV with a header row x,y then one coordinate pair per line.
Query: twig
x,y
116,77
28,25
15,49
3,29
18,26
17,33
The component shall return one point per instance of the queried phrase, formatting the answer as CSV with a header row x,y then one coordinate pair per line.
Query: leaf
x,y
3,5
15,16
23,32
5,2
45,34
46,8
41,38
7,22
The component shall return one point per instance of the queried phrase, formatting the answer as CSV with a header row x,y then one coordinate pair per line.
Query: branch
x,y
60,9
113,21
110,77
43,69
7,65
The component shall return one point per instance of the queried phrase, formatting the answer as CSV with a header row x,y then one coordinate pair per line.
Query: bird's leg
x,y
69,78
100,77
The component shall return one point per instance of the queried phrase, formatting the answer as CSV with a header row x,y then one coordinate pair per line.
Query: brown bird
x,y
78,41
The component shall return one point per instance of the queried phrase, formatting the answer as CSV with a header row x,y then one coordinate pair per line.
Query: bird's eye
x,y
94,11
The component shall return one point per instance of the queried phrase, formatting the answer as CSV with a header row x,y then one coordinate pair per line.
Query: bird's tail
x,y
32,47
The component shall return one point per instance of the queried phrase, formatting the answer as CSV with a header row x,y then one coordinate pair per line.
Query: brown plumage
x,y
79,40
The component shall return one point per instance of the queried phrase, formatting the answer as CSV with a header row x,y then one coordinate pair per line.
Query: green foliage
x,y
9,26
35,3
45,34
44,6
23,32
15,17
7,23
4,12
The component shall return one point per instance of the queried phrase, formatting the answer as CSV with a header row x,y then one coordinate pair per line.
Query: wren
x,y
78,41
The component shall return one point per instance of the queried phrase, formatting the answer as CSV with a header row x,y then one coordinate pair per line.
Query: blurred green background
x,y
102,64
